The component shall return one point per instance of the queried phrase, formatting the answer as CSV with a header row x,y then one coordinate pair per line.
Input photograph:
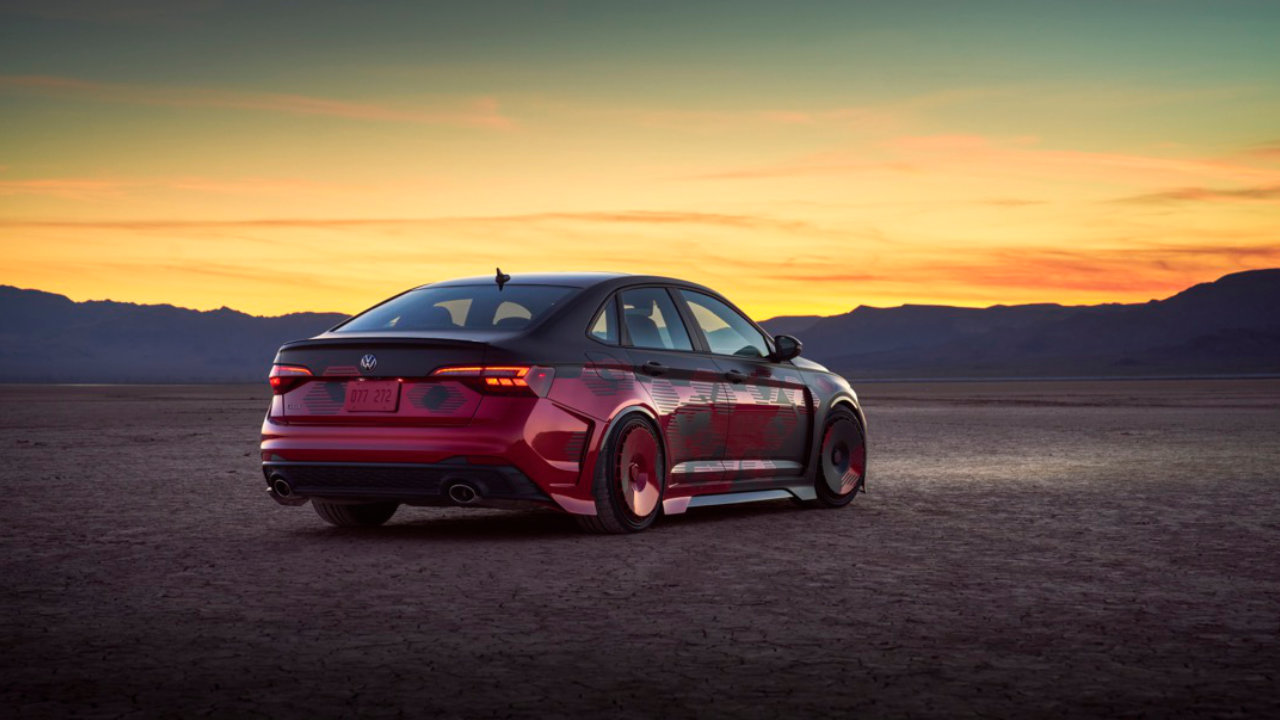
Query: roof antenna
x,y
501,278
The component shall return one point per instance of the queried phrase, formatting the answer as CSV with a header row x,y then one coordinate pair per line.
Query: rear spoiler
x,y
359,341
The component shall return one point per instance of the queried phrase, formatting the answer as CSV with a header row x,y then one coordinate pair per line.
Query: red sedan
x,y
614,398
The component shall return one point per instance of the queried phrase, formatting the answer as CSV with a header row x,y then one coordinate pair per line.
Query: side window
x,y
727,332
652,320
604,328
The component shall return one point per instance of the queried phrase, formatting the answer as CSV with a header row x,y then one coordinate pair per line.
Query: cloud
x,y
657,217
1035,273
1269,151
1012,202
718,120
722,121
91,188
1265,193
881,116
482,112
68,188
838,277
255,186
247,275
1242,254
629,217
834,163
1025,152
1115,273
971,155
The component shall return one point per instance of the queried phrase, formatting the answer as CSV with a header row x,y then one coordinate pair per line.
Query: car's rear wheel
x,y
842,465
362,515
630,479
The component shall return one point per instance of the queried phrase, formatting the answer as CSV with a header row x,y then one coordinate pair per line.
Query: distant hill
x,y
48,338
1228,326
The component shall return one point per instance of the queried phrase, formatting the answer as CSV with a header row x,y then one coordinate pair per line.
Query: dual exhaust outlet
x,y
460,492
280,486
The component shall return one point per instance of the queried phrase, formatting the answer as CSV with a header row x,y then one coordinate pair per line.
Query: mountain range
x,y
1230,326
48,338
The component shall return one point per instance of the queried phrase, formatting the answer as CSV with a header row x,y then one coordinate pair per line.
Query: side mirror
x,y
785,347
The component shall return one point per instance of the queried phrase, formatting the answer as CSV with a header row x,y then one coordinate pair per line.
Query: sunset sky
x,y
801,157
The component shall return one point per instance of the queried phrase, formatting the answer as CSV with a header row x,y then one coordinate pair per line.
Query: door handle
x,y
736,376
653,367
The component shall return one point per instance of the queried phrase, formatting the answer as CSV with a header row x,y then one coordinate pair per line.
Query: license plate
x,y
373,396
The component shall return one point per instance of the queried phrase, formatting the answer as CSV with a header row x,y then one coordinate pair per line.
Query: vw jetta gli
x,y
614,398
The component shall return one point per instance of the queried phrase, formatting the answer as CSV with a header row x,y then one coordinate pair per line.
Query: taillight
x,y
284,378
503,378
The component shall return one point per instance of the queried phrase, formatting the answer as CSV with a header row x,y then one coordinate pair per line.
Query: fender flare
x,y
853,405
621,415
581,500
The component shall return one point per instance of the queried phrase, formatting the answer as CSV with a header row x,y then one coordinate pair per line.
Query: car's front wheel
x,y
362,515
842,466
630,479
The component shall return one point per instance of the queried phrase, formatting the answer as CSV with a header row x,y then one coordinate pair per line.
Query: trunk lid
x,y
379,379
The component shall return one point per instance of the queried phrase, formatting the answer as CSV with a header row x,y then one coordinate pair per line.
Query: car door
x,y
772,409
686,387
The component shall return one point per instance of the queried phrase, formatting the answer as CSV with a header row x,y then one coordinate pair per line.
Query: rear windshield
x,y
464,307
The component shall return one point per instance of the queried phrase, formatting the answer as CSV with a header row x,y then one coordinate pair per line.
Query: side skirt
x,y
676,506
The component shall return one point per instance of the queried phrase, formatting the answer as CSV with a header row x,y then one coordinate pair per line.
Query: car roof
x,y
571,279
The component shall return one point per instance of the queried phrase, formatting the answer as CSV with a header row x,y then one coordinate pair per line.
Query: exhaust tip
x,y
281,486
463,494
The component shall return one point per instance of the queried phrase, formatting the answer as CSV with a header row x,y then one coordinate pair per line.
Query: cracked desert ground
x,y
1071,549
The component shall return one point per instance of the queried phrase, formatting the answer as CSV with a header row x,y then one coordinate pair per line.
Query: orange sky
x,y
806,160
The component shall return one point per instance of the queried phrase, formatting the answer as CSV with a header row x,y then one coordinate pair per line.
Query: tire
x,y
630,479
365,515
842,461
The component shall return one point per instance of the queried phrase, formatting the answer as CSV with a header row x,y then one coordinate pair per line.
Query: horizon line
x,y
775,317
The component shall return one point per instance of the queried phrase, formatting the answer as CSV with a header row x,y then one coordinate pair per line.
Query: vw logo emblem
x,y
369,362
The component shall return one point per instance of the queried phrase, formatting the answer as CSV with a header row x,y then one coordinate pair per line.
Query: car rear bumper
x,y
527,450
413,483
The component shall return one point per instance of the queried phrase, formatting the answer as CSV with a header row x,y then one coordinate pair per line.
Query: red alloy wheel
x,y
636,471
844,456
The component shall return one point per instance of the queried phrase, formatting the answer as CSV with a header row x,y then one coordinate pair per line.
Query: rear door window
x,y
652,320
